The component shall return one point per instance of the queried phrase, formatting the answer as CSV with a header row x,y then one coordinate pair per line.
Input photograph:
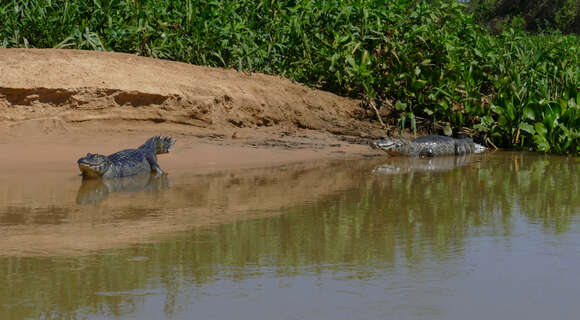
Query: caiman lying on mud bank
x,y
127,162
429,146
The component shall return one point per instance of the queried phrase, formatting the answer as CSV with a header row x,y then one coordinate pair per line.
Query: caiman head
x,y
93,165
393,146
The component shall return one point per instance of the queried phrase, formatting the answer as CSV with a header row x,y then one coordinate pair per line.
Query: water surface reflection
x,y
401,165
94,191
494,237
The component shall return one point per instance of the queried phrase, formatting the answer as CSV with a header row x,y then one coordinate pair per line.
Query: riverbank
x,y
57,105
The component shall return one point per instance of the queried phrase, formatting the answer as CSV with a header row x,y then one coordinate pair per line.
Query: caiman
x,y
127,162
428,146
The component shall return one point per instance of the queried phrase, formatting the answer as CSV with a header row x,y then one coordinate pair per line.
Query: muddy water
x,y
494,236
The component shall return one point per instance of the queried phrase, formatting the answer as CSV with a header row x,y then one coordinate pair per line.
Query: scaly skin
x,y
429,146
127,162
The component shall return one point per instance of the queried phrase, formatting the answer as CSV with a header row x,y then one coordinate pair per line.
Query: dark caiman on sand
x,y
128,162
428,146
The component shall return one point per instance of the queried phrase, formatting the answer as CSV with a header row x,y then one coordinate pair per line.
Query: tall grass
x,y
425,63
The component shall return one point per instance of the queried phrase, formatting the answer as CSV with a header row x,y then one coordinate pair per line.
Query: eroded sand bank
x,y
56,105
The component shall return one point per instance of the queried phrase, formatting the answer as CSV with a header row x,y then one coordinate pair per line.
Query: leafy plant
x,y
426,60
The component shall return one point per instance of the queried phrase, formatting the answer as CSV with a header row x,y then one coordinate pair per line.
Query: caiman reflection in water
x,y
401,165
94,191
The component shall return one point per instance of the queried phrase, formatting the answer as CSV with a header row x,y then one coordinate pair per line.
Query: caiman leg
x,y
426,152
155,168
154,165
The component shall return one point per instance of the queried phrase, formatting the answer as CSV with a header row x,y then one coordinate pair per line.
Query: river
x,y
482,237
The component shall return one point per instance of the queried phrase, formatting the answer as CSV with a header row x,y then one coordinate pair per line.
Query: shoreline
x,y
58,105
204,151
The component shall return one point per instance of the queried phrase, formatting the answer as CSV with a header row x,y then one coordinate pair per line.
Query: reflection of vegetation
x,y
549,191
374,222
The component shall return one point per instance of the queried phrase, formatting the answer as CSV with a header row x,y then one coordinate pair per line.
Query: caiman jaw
x,y
91,170
387,145
383,144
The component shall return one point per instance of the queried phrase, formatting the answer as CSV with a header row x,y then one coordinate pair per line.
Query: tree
x,y
533,15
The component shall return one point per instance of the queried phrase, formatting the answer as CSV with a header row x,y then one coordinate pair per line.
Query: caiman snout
x,y
381,144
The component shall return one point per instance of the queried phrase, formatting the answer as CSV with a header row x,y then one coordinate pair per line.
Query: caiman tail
x,y
158,144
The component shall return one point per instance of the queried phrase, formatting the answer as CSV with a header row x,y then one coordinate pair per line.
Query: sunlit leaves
x,y
427,57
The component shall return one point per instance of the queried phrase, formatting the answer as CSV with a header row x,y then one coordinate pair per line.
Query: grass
x,y
424,63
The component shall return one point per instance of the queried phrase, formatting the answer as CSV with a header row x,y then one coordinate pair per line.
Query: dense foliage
x,y
425,60
532,15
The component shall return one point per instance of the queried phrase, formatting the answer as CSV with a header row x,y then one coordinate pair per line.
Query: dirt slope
x,y
77,86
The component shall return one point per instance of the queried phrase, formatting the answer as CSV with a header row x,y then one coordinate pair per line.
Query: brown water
x,y
489,237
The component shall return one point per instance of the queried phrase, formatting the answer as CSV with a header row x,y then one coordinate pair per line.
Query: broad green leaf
x,y
497,109
542,143
401,106
529,112
418,84
527,128
540,129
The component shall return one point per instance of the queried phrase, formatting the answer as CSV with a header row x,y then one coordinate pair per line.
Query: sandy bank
x,y
56,105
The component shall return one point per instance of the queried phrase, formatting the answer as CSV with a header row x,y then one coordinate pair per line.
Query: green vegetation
x,y
532,15
424,63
